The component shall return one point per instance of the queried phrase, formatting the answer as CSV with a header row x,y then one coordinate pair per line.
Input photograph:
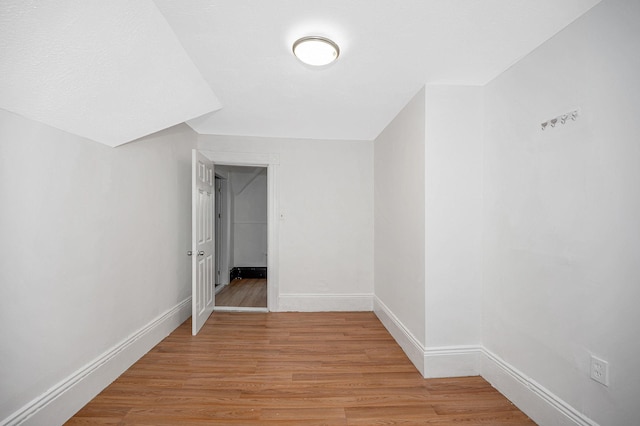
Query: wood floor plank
x,y
290,369
247,292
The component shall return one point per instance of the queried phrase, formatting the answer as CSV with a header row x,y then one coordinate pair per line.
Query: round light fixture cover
x,y
315,50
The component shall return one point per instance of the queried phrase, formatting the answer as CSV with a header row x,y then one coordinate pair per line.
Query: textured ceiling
x,y
389,50
111,71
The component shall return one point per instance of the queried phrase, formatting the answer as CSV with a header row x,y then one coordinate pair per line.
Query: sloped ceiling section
x,y
112,71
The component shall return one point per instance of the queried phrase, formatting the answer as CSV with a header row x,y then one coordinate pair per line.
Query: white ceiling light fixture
x,y
315,50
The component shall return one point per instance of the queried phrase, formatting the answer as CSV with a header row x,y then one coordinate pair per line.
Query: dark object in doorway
x,y
248,272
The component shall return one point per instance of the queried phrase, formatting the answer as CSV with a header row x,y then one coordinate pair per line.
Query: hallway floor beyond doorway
x,y
247,292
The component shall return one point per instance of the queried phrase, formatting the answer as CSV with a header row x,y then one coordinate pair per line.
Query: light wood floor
x,y
247,292
290,369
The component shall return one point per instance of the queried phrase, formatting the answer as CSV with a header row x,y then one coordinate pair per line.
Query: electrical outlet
x,y
600,370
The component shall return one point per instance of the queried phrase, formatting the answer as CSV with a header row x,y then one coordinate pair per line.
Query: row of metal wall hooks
x,y
562,119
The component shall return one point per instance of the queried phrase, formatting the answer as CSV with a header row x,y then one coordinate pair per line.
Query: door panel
x,y
203,199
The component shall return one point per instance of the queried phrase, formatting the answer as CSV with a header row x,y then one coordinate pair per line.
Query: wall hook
x,y
573,115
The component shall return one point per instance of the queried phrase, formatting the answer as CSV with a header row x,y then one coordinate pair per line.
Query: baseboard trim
x,y
407,341
64,399
240,309
533,399
324,302
452,361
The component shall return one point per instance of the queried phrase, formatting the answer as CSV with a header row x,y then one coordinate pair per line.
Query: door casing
x,y
271,162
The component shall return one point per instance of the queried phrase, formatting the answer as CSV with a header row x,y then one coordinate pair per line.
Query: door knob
x,y
189,253
201,253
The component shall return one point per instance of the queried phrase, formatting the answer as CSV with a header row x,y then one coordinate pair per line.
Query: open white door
x,y
203,241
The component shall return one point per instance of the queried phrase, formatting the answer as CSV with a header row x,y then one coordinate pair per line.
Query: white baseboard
x,y
239,309
64,399
452,361
534,400
324,302
407,341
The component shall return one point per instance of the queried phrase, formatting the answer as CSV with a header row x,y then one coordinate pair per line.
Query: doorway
x,y
270,161
241,222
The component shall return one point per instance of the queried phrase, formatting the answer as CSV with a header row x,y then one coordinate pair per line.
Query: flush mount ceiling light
x,y
315,50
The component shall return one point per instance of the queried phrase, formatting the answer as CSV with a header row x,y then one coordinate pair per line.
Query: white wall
x,y
453,188
325,197
399,188
561,216
249,188
428,228
92,248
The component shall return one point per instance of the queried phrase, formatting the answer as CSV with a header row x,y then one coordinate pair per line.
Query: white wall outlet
x,y
600,370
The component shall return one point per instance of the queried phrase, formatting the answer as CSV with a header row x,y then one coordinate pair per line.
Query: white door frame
x,y
271,162
217,217
224,234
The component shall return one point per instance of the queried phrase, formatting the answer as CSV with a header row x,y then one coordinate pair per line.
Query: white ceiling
x,y
111,71
389,50
116,70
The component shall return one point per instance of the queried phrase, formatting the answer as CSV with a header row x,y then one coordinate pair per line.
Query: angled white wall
x,y
399,202
108,71
428,204
561,228
93,261
453,229
325,204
